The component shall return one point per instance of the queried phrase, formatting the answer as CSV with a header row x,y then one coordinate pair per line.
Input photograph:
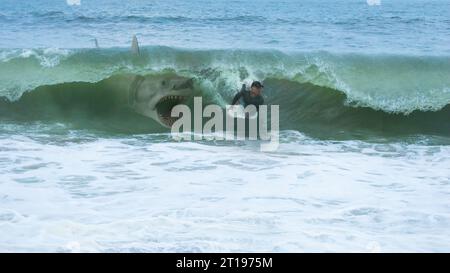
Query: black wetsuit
x,y
248,99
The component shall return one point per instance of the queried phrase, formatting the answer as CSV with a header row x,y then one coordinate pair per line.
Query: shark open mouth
x,y
164,108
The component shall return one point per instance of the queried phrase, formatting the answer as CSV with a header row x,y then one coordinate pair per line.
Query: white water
x,y
74,192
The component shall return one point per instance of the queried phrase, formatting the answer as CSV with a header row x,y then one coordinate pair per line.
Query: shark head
x,y
154,96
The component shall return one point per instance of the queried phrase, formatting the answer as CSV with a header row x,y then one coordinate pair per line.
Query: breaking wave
x,y
315,91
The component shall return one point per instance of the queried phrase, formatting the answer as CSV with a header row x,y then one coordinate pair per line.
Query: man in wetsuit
x,y
252,97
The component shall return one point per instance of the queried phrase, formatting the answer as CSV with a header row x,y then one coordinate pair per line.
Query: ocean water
x,y
363,163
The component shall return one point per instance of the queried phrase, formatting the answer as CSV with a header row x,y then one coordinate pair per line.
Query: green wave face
x,y
318,93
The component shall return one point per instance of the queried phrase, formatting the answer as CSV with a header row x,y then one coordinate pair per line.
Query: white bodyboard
x,y
237,111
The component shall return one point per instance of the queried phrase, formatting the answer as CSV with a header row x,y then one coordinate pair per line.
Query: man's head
x,y
256,88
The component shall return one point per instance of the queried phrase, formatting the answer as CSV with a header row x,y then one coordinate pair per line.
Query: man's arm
x,y
236,98
238,95
260,102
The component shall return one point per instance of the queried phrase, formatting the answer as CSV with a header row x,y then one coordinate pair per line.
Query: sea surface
x,y
363,163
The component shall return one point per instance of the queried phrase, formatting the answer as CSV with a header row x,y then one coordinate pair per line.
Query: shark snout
x,y
185,84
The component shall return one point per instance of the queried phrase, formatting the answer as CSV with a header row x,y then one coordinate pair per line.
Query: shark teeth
x,y
169,121
173,100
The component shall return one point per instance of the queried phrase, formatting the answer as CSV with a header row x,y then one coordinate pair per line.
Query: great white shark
x,y
154,95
